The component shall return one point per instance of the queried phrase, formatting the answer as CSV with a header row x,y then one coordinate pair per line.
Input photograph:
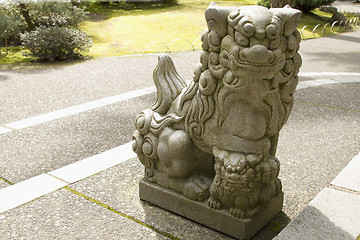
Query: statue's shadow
x,y
183,228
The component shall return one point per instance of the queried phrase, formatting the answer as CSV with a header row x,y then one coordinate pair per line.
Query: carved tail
x,y
168,84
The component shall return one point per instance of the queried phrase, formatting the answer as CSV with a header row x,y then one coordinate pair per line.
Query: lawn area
x,y
154,30
151,30
145,29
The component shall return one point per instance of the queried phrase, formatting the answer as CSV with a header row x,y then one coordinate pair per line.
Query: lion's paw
x,y
197,189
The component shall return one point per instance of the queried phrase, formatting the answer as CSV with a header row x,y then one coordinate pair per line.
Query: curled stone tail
x,y
168,84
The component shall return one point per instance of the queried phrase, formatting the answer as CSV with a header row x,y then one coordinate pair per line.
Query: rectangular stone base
x,y
219,220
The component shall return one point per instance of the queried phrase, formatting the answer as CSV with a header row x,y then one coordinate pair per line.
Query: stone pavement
x,y
67,170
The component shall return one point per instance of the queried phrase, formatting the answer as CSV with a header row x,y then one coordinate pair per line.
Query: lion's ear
x,y
216,18
290,17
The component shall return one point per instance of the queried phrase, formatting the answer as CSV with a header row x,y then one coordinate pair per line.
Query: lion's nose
x,y
256,54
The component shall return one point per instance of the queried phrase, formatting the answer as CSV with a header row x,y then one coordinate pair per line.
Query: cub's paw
x,y
215,204
237,212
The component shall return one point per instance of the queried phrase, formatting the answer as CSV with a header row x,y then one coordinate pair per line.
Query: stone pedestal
x,y
219,220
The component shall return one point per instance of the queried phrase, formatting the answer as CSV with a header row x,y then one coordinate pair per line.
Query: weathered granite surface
x,y
215,140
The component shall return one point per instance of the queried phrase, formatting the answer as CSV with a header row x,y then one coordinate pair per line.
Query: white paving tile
x,y
92,165
123,96
150,89
348,80
326,81
28,190
340,73
301,86
349,177
32,121
311,83
310,74
332,214
4,130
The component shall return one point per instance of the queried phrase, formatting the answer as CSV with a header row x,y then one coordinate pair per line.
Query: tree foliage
x,y
56,43
304,5
307,5
31,22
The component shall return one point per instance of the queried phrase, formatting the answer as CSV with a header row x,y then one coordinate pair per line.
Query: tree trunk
x,y
25,12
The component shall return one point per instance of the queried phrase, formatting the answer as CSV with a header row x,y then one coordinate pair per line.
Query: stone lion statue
x,y
216,138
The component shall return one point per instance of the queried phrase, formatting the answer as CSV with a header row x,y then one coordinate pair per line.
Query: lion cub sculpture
x,y
216,138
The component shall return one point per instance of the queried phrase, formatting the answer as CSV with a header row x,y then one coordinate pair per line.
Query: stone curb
x,y
334,212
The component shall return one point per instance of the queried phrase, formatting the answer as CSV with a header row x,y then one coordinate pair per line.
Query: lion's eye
x,y
242,40
232,81
271,32
248,29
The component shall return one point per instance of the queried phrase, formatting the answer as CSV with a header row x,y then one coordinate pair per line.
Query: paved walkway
x,y
67,169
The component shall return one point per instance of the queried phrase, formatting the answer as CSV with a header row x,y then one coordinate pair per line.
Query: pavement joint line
x,y
322,105
65,112
26,191
312,74
7,181
67,183
344,189
120,213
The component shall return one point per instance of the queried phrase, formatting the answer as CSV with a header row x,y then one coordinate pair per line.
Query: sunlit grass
x,y
14,55
163,28
151,30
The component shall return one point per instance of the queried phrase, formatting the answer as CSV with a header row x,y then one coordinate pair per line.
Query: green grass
x,y
14,55
154,29
315,18
150,30
139,28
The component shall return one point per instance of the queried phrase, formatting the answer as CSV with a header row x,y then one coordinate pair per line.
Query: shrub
x,y
55,13
10,24
264,3
13,16
308,5
56,43
304,5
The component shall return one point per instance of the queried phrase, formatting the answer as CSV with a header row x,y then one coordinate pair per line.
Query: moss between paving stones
x,y
321,105
119,213
8,182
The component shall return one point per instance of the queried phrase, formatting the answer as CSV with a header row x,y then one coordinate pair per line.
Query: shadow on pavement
x,y
313,224
346,61
273,228
345,38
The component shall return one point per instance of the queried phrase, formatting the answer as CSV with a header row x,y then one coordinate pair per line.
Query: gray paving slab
x,y
29,92
64,215
349,177
39,149
315,144
345,95
346,6
118,187
335,53
332,214
40,88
